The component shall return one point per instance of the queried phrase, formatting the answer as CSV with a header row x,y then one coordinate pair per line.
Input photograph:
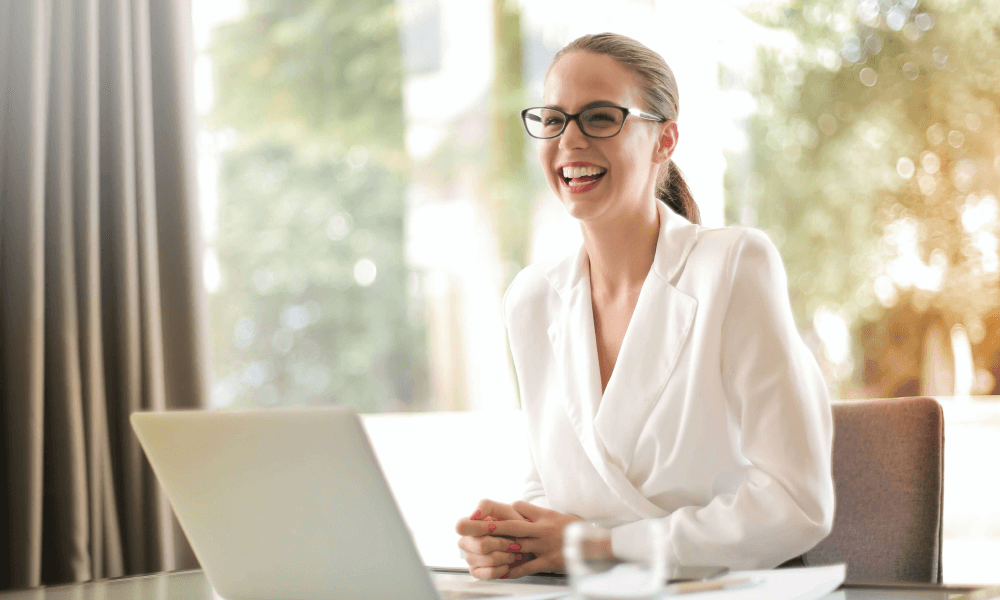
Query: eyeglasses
x,y
601,122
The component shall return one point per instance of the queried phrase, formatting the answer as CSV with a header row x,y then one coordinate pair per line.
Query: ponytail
x,y
673,191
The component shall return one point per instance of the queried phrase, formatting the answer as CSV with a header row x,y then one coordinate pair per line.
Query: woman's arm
x,y
777,395
533,490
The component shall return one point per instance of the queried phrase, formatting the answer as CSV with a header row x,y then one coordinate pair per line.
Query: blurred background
x,y
367,193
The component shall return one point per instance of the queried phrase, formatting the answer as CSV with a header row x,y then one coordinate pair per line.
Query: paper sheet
x,y
465,587
809,583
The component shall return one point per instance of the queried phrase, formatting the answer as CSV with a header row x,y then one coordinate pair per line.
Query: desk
x,y
193,585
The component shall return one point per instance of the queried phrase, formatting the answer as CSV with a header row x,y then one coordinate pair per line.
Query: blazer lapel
x,y
608,427
657,331
575,346
575,349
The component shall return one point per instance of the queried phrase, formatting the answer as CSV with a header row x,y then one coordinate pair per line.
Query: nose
x,y
572,137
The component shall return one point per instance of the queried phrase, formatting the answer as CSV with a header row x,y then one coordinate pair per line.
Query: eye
x,y
599,119
602,116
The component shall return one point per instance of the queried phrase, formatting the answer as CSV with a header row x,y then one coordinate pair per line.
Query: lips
x,y
580,176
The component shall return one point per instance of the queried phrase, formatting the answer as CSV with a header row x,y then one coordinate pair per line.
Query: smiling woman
x,y
660,370
658,88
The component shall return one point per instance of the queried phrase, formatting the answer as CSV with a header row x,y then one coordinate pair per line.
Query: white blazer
x,y
716,418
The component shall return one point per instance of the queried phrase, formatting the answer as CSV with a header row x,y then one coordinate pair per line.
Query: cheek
x,y
545,155
635,158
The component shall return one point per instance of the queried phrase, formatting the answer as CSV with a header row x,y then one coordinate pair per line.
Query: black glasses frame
x,y
626,113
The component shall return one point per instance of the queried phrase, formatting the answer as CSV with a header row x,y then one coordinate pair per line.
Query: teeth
x,y
573,172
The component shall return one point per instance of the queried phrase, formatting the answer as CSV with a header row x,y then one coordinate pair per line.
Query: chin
x,y
583,209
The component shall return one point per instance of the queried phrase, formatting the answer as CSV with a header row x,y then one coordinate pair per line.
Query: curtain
x,y
102,310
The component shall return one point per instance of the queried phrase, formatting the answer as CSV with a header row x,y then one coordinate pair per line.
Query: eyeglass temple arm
x,y
635,112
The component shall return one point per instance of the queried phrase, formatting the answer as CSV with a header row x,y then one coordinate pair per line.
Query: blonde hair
x,y
658,91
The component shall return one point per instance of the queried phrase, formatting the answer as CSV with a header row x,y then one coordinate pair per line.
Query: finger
x,y
488,511
496,511
489,572
525,545
528,568
514,529
529,510
493,559
497,528
488,543
520,559
463,527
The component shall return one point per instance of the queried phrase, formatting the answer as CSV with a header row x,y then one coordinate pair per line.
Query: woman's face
x,y
627,163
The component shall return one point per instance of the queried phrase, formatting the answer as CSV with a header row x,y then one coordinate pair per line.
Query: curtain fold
x,y
102,310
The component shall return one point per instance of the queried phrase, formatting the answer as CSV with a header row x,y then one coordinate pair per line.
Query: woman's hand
x,y
491,545
490,557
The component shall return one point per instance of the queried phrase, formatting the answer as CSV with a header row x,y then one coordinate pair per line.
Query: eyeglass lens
x,y
595,122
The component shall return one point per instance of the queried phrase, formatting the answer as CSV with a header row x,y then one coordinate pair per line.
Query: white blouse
x,y
716,417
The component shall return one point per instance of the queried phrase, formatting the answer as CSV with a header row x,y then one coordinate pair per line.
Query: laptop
x,y
292,504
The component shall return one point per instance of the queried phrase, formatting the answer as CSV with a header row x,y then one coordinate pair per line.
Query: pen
x,y
691,587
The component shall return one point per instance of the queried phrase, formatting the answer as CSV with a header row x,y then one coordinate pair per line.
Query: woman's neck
x,y
621,250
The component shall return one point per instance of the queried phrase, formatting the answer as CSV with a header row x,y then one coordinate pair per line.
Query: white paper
x,y
808,583
465,586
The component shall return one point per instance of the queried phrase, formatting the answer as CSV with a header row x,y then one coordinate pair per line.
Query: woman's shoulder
x,y
535,287
727,245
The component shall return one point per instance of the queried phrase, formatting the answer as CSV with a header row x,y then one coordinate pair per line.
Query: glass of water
x,y
597,574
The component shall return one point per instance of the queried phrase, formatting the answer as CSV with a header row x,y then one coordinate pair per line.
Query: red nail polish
x,y
505,576
491,528
513,547
475,516
489,518
517,557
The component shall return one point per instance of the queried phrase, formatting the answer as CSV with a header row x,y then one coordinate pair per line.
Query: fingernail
x,y
513,547
489,518
476,515
491,528
505,576
517,557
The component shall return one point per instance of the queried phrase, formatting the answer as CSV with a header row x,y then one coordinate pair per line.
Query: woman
x,y
659,366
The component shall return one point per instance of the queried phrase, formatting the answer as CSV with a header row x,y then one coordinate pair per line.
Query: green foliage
x,y
312,72
861,92
508,182
311,198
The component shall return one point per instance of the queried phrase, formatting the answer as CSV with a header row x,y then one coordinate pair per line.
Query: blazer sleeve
x,y
778,397
533,490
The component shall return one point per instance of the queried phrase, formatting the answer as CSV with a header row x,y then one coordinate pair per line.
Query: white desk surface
x,y
193,585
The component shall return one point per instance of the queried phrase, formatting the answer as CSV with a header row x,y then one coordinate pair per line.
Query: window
x,y
368,194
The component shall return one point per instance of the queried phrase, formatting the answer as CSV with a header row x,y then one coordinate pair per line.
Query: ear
x,y
666,142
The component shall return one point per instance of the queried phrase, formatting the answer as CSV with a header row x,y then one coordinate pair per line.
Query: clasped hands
x,y
507,541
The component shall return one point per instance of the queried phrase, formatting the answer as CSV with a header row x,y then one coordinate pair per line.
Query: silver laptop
x,y
288,504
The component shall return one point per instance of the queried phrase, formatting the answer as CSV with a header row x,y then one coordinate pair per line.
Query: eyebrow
x,y
590,105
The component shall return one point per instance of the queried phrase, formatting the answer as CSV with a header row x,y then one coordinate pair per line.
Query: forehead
x,y
579,78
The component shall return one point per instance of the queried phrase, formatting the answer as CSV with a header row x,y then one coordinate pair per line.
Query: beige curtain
x,y
102,310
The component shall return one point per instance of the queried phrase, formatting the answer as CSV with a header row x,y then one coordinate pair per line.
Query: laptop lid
x,y
285,503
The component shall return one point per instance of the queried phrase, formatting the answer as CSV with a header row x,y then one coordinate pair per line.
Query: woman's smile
x,y
581,177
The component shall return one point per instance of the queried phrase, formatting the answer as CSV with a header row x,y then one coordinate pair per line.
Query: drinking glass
x,y
597,574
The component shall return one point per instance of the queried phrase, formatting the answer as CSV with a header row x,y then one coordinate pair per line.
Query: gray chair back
x,y
888,471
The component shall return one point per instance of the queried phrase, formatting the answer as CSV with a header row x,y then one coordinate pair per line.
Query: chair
x,y
888,470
